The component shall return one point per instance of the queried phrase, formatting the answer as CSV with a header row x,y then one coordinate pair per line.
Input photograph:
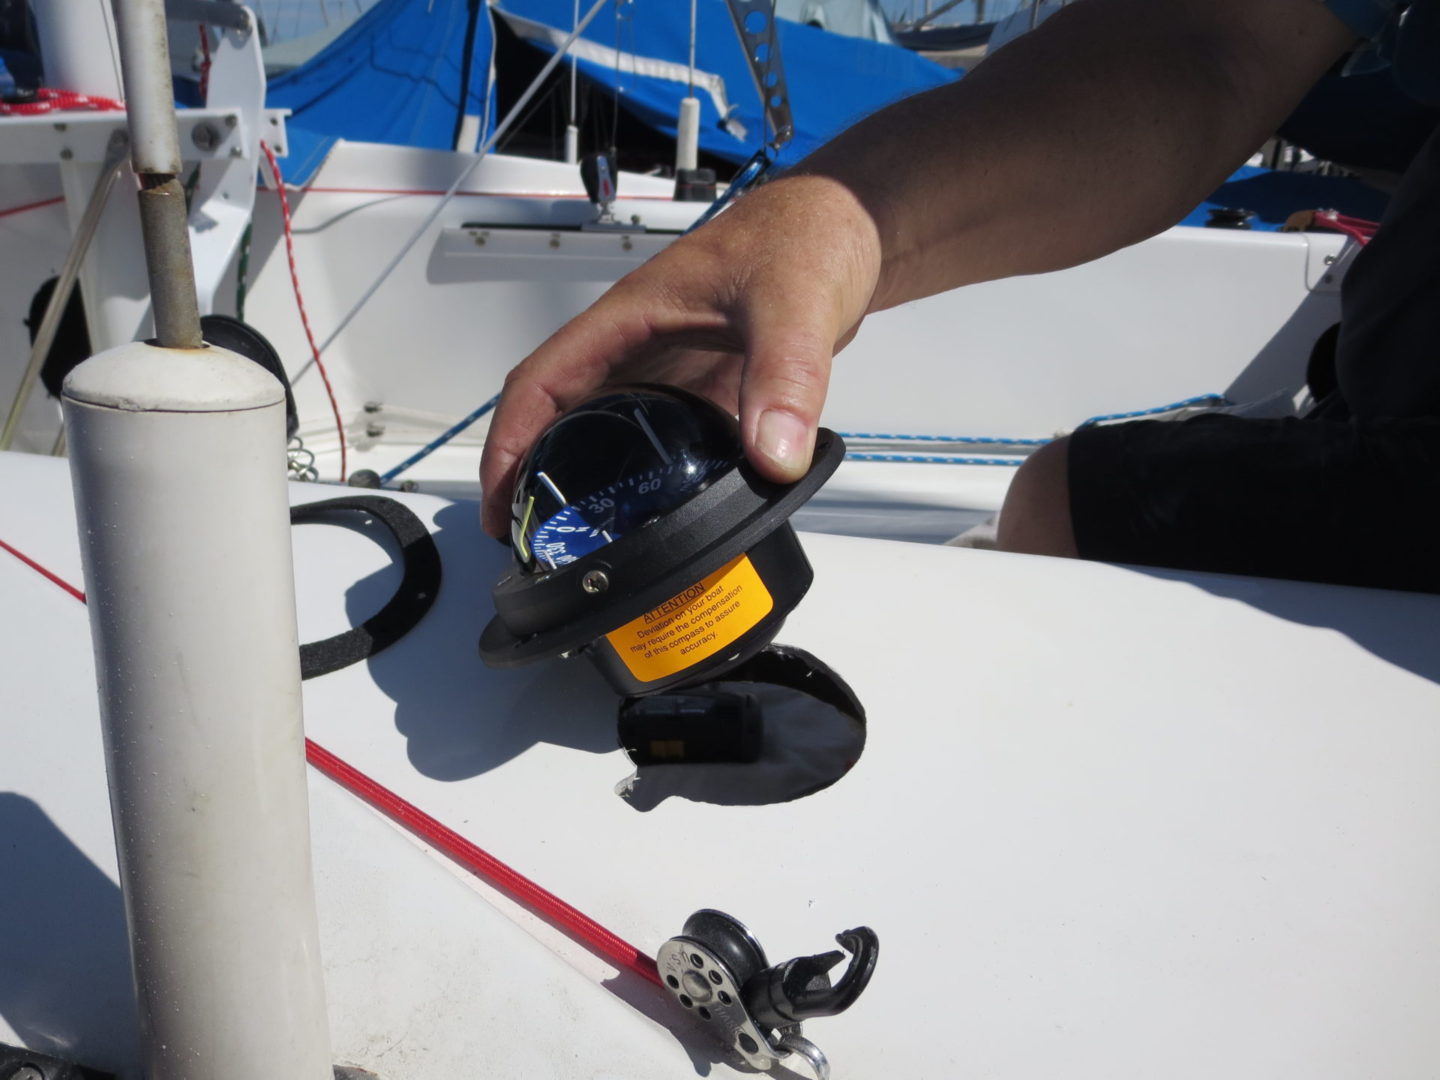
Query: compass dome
x,y
612,465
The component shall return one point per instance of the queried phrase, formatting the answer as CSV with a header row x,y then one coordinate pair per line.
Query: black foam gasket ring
x,y
420,560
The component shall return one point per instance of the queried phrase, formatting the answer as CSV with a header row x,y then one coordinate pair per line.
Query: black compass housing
x,y
645,540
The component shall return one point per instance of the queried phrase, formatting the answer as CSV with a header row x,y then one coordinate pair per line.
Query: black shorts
x,y
1347,502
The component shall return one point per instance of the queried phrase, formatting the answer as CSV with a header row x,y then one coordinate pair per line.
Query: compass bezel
x,y
549,612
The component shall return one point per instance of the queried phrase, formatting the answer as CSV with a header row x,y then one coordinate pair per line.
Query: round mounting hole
x,y
704,1012
685,1000
724,997
715,976
697,960
821,738
674,982
747,1044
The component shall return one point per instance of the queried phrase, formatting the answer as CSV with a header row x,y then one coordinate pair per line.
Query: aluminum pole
x,y
155,156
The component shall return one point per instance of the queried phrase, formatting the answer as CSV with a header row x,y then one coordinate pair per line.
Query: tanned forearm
x,y
1100,128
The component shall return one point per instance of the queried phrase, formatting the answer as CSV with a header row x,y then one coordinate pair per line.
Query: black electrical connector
x,y
704,725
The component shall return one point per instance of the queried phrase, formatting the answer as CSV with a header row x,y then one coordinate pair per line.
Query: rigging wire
x,y
693,14
540,101
619,86
300,303
484,149
116,151
574,22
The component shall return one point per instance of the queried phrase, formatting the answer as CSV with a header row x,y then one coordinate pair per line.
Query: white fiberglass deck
x,y
1108,823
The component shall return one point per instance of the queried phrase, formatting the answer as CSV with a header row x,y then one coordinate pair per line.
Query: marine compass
x,y
645,540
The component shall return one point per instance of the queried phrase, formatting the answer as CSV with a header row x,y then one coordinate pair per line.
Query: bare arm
x,y
1102,127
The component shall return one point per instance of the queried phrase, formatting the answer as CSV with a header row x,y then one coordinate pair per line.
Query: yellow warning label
x,y
694,624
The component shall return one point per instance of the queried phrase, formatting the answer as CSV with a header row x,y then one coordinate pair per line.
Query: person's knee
x,y
1036,516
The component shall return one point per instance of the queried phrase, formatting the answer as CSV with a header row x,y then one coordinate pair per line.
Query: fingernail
x,y
782,437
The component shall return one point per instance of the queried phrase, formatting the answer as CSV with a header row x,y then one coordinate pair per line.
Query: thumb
x,y
782,388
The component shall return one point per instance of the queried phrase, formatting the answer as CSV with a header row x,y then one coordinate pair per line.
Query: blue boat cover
x,y
393,77
642,48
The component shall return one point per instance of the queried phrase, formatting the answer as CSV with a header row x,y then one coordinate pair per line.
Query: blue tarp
x,y
833,80
393,77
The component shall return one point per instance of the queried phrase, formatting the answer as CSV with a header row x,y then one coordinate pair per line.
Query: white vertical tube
x,y
178,462
572,144
77,41
78,48
687,134
149,98
687,126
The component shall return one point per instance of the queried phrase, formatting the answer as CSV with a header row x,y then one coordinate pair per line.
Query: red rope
x,y
204,64
1357,229
56,578
548,196
32,206
47,101
484,865
479,862
300,302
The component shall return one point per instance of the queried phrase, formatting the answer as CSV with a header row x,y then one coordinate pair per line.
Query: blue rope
x,y
928,459
1203,399
936,459
749,175
998,440
439,441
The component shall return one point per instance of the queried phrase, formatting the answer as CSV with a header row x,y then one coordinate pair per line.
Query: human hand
x,y
747,311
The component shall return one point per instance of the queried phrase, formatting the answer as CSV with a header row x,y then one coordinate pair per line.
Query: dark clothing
x,y
1387,361
1353,502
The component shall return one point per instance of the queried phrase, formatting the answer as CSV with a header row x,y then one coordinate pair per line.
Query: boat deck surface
x,y
1107,823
